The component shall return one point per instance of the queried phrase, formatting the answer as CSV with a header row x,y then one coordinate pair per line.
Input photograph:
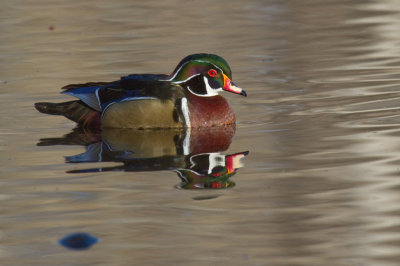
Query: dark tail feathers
x,y
76,111
53,108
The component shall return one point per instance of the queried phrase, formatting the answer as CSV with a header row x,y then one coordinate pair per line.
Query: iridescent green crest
x,y
198,63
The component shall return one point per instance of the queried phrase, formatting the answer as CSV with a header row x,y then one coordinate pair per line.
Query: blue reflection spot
x,y
78,241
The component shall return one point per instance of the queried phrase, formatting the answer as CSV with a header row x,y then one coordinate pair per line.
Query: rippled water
x,y
320,185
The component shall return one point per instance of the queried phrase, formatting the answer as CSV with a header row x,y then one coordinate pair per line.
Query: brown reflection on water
x,y
194,154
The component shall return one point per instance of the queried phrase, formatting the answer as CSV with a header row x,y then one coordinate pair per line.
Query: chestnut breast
x,y
209,111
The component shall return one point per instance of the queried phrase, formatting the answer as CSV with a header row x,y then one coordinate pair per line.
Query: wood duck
x,y
187,98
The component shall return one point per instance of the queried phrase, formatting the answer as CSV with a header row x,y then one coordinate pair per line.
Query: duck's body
x,y
186,98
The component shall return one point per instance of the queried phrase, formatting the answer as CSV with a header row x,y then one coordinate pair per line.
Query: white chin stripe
x,y
210,91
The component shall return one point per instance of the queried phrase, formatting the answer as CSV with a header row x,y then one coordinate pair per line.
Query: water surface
x,y
320,185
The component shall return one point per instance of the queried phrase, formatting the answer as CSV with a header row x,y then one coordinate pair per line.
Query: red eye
x,y
212,72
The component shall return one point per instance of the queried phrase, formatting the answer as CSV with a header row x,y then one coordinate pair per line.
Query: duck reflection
x,y
195,155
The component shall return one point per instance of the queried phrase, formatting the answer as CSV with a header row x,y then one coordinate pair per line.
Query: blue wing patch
x,y
88,95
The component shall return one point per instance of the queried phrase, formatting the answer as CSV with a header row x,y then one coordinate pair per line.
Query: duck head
x,y
204,75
